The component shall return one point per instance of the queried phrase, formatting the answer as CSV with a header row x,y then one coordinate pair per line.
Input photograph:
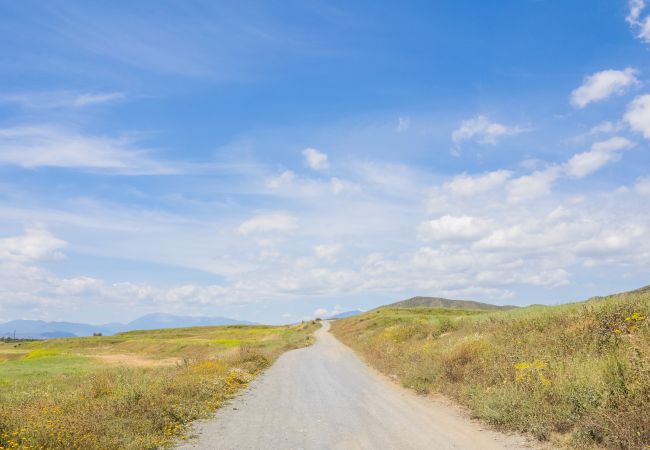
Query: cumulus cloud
x,y
529,187
483,130
35,244
53,146
450,228
466,186
637,115
268,223
469,185
315,159
601,153
326,313
25,285
613,240
604,84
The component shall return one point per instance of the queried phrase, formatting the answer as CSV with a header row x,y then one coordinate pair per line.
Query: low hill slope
x,y
438,302
576,374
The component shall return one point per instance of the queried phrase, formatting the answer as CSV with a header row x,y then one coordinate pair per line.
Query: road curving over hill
x,y
324,397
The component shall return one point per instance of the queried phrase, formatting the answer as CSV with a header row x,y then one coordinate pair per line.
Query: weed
x,y
576,374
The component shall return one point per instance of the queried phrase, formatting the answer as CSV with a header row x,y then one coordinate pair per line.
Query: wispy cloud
x,y
483,130
403,124
268,223
53,146
61,99
602,85
601,153
639,23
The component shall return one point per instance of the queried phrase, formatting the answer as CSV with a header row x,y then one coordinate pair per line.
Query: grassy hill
x,y
438,302
134,390
577,374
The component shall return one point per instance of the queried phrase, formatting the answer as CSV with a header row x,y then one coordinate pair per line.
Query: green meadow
x,y
135,390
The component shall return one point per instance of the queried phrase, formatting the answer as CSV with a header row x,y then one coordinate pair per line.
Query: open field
x,y
577,375
135,390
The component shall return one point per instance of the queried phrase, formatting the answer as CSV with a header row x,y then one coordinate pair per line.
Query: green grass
x,y
136,390
577,375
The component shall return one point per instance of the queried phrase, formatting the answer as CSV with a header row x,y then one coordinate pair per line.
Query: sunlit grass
x,y
576,374
121,392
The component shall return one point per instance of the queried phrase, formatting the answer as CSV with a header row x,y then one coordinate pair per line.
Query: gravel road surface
x,y
324,397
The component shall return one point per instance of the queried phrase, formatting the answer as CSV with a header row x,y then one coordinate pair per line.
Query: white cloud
x,y
483,130
640,25
617,240
450,228
529,187
52,146
465,186
325,313
403,124
338,186
606,127
636,7
602,85
469,185
315,159
601,153
271,222
35,244
60,99
328,252
282,180
642,185
637,115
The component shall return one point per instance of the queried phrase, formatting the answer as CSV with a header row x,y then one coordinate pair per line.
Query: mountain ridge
x,y
40,329
440,302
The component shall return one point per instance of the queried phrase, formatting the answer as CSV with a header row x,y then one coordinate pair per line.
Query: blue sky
x,y
277,161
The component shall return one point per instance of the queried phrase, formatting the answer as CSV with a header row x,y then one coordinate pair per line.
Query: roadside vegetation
x,y
577,375
135,390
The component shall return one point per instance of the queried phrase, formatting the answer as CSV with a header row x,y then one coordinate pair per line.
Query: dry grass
x,y
55,394
577,375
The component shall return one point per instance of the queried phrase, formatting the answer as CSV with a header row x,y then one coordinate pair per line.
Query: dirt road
x,y
324,397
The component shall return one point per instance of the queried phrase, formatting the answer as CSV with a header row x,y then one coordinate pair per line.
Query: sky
x,y
277,161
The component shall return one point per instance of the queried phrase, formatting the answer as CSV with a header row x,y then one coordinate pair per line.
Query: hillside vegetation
x,y
438,302
577,374
135,390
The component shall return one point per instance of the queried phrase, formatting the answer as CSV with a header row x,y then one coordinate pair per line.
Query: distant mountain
x,y
438,302
57,334
156,321
39,329
345,314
